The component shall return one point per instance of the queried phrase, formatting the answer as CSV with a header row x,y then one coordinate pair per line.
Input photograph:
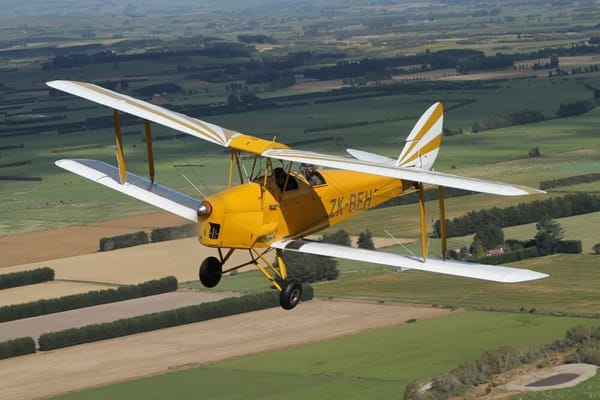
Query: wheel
x,y
210,272
291,294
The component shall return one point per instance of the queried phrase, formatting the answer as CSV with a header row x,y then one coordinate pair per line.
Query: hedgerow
x,y
22,278
49,306
165,319
17,347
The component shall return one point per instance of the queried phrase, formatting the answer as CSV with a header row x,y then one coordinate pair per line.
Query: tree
x,y
340,237
549,233
365,240
310,268
489,236
596,248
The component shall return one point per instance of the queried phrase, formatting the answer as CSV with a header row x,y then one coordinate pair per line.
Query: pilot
x,y
281,177
308,170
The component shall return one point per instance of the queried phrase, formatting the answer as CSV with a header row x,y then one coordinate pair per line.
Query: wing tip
x,y
523,275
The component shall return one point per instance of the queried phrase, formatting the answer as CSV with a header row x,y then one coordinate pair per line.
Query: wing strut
x,y
149,149
442,221
423,227
119,141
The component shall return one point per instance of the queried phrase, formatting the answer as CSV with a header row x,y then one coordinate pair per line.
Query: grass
x,y
569,289
375,364
246,282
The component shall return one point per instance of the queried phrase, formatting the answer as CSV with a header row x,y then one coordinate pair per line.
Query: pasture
x,y
571,287
376,364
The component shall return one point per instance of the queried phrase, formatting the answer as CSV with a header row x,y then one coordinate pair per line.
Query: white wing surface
x,y
409,174
142,109
470,270
364,162
370,157
135,186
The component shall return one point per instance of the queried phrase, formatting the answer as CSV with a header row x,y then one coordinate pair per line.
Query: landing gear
x,y
291,294
290,290
210,272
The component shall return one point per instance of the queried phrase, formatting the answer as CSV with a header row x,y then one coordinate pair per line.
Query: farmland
x,y
267,74
378,363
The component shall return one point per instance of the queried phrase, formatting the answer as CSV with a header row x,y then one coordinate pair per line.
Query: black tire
x,y
210,272
291,294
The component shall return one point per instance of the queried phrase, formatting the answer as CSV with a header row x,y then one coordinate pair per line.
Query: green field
x,y
571,287
569,147
376,364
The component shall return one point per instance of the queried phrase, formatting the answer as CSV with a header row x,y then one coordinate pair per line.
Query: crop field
x,y
375,364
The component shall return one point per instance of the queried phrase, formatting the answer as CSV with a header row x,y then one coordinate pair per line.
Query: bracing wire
x,y
194,186
399,242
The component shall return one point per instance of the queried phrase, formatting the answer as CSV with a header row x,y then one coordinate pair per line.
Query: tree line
x,y
145,323
523,213
578,107
92,298
218,49
23,278
569,181
141,237
309,268
580,343
164,319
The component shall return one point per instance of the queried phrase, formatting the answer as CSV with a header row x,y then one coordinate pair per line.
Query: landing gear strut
x,y
290,290
210,272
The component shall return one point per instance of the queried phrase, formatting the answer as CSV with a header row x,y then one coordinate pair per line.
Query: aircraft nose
x,y
205,209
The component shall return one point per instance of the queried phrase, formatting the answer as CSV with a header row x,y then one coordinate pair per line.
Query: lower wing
x,y
135,186
470,270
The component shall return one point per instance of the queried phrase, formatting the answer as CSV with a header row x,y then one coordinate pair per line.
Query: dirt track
x,y
96,364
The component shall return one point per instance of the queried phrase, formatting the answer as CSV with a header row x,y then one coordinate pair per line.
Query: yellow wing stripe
x,y
435,116
193,124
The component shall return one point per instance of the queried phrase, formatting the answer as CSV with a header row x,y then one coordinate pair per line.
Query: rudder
x,y
423,142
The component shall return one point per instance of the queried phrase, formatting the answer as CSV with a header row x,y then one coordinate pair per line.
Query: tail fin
x,y
423,142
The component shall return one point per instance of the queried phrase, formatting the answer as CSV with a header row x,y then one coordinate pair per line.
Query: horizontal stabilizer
x,y
135,186
370,157
470,270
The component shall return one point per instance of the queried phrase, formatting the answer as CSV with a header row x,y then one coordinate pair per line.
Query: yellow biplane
x,y
283,198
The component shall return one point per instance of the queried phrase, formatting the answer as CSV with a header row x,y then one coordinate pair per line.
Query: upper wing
x,y
139,108
366,162
470,270
369,166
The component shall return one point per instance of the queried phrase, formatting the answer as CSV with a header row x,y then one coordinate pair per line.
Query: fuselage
x,y
259,212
